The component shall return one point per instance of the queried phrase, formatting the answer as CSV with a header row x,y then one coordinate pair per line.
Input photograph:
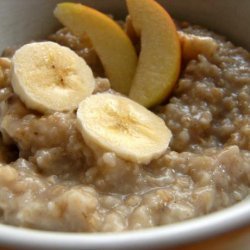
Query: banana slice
x,y
118,124
48,77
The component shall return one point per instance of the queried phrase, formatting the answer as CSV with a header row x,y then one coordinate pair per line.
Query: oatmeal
x,y
52,179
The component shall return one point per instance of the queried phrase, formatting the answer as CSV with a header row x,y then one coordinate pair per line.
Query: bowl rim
x,y
172,235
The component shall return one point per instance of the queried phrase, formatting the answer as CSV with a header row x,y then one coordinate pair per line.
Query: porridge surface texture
x,y
50,179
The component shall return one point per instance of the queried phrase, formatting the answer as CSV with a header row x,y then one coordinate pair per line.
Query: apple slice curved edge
x,y
111,43
160,57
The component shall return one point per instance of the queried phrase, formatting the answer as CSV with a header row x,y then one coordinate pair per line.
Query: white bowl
x,y
25,20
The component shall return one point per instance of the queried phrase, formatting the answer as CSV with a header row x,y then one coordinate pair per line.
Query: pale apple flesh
x,y
160,57
111,43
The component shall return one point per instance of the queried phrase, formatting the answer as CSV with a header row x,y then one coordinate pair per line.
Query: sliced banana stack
x,y
118,124
48,77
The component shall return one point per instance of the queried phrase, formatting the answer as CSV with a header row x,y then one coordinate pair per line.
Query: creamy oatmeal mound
x,y
52,177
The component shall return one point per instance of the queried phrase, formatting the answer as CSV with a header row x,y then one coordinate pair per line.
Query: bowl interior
x,y
24,20
156,238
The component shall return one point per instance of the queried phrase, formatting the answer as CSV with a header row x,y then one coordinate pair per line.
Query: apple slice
x,y
160,57
111,43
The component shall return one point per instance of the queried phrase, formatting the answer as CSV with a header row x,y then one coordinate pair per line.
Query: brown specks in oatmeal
x,y
59,183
